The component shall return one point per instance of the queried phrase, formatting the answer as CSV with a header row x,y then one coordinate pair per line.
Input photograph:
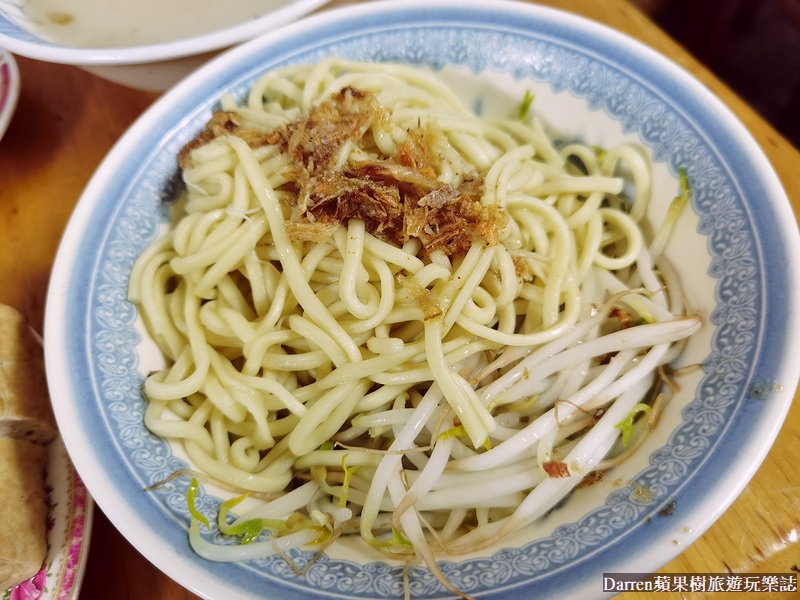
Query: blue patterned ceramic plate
x,y
736,250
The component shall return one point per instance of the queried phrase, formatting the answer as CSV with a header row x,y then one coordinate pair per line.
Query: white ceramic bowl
x,y
737,249
153,67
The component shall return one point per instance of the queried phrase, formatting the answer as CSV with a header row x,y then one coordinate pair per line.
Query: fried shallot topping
x,y
625,318
556,468
591,478
226,123
397,196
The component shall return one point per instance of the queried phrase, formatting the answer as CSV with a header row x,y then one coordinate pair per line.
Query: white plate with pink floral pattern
x,y
69,525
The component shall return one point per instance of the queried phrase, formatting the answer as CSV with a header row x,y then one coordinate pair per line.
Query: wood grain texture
x,y
67,121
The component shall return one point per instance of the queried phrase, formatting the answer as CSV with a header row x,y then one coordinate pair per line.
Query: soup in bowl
x,y
148,45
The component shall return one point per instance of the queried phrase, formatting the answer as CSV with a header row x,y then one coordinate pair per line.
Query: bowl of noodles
x,y
429,299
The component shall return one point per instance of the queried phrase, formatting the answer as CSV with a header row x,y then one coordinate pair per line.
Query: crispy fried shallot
x,y
555,468
224,123
625,318
398,197
591,478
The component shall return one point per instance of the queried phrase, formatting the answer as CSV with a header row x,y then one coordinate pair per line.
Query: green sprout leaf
x,y
686,187
191,497
679,202
455,431
600,152
398,539
348,473
223,513
525,106
251,529
627,423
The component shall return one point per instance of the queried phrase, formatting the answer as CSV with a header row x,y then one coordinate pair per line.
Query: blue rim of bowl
x,y
26,43
753,355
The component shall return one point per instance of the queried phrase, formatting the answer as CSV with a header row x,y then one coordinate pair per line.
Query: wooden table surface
x,y
67,121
